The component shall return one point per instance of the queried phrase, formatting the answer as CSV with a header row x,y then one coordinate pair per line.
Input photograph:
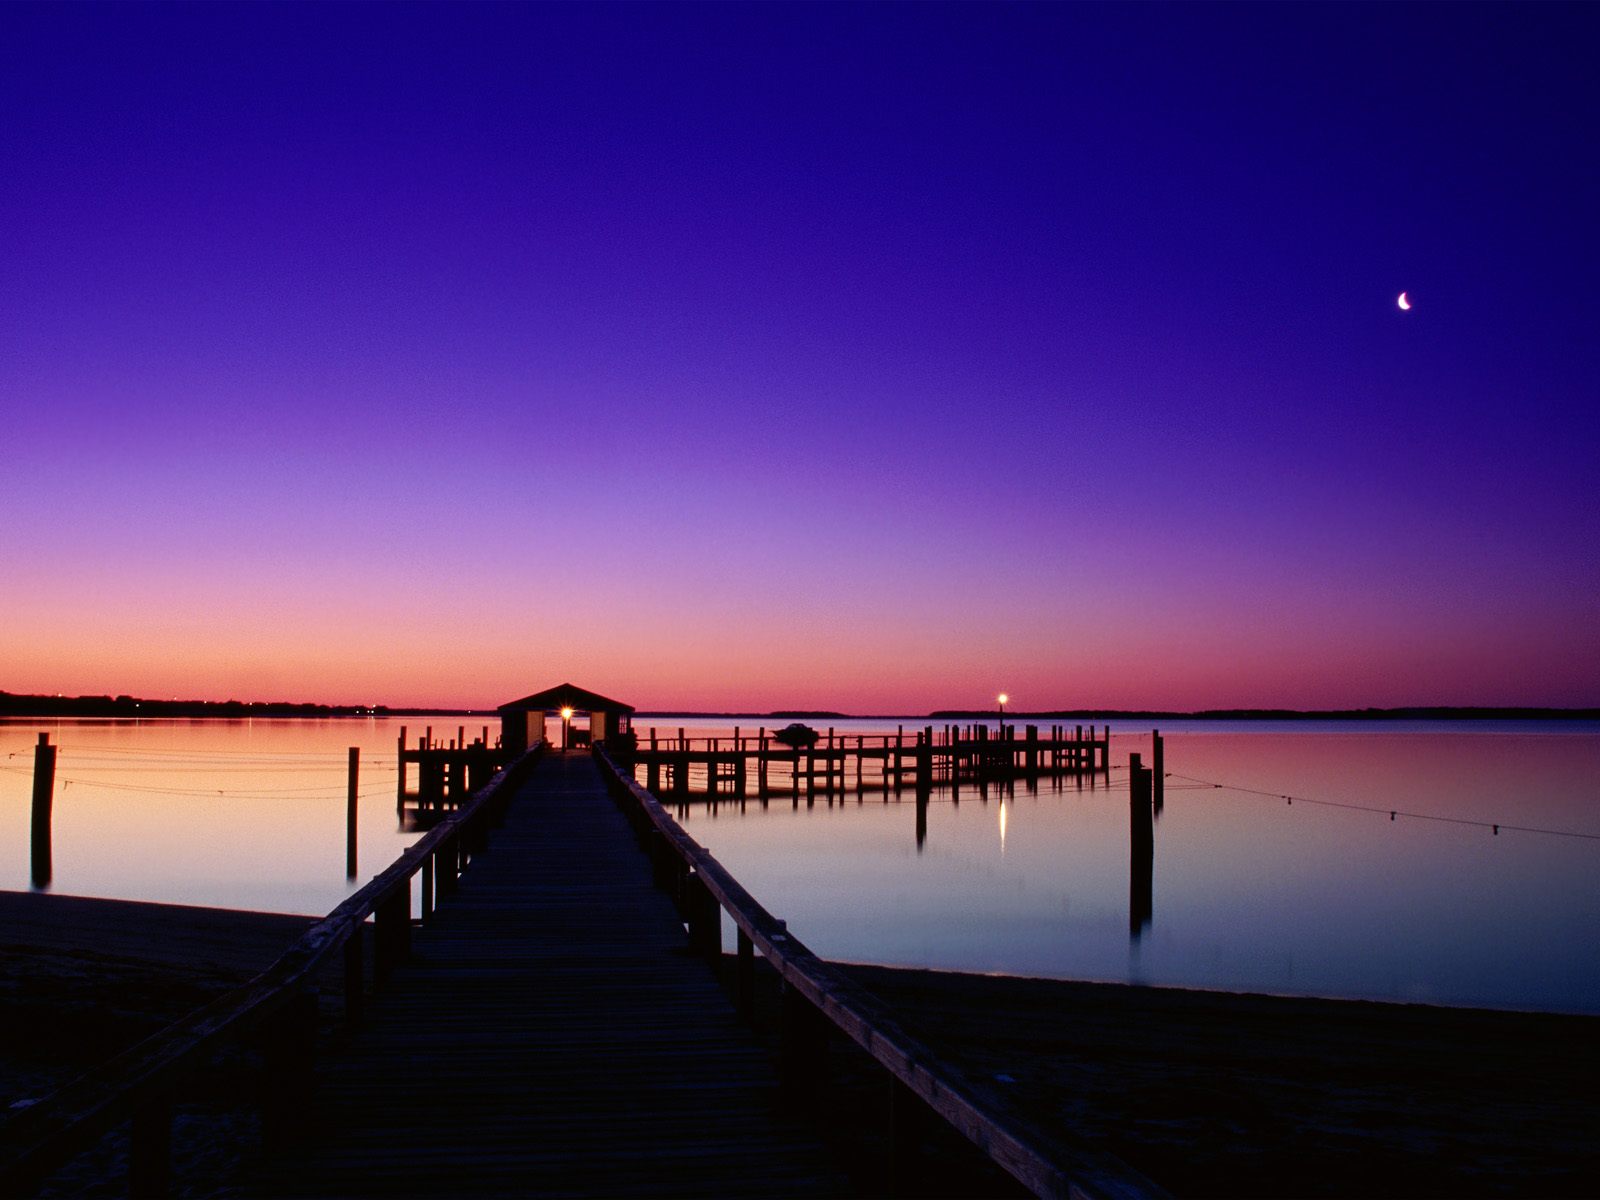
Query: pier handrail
x,y
43,1136
1075,1174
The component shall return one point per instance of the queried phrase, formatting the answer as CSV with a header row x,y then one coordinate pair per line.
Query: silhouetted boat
x,y
797,735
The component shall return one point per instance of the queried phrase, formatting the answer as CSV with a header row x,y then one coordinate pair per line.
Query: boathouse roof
x,y
566,695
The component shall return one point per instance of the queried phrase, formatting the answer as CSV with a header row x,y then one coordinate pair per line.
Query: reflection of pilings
x,y
922,819
44,788
1141,848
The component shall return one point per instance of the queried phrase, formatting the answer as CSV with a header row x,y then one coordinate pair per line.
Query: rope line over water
x,y
1391,813
326,791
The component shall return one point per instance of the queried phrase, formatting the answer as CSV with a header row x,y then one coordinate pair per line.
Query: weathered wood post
x,y
350,814
653,771
660,860
44,791
400,790
446,860
761,768
744,975
1141,847
391,931
805,1046
1158,766
704,916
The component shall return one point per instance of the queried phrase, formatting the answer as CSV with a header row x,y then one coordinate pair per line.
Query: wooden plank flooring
x,y
552,1036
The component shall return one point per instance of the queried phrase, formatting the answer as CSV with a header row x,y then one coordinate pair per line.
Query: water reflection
x,y
1255,894
250,814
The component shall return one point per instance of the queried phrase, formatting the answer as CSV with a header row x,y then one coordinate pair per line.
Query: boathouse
x,y
522,722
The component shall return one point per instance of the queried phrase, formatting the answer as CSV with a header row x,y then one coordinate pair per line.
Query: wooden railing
x,y
817,995
279,1006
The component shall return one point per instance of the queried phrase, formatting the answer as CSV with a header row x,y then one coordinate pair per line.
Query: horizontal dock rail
x,y
278,1006
815,990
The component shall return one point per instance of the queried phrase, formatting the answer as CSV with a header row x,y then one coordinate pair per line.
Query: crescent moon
x,y
1405,305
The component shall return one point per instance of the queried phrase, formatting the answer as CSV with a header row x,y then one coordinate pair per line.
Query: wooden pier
x,y
447,771
529,1001
759,765
549,1036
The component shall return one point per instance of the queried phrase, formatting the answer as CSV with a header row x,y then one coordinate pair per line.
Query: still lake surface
x,y
1250,892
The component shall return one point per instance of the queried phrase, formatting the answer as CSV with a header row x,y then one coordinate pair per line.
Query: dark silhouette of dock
x,y
548,1034
530,1001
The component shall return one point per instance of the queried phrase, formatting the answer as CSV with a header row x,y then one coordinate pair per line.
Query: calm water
x,y
1249,892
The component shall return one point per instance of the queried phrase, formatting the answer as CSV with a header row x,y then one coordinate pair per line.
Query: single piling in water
x,y
1158,795
400,793
44,789
1141,848
350,814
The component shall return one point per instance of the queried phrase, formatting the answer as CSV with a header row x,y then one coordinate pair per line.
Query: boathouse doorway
x,y
551,714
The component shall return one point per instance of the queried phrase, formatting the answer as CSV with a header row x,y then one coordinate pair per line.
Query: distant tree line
x,y
15,705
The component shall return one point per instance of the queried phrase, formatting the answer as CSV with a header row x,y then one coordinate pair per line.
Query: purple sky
x,y
744,357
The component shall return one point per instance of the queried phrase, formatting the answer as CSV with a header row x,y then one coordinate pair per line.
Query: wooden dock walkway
x,y
551,1034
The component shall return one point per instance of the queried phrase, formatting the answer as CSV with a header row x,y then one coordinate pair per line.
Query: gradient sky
x,y
876,359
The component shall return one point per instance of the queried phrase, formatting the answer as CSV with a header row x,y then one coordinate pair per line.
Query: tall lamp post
x,y
1004,700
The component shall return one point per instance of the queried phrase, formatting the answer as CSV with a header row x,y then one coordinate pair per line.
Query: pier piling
x,y
350,814
44,789
1141,847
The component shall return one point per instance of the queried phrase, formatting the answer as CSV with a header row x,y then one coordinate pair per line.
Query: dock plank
x,y
551,1035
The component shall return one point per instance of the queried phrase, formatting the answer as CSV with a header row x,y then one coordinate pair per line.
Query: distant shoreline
x,y
14,705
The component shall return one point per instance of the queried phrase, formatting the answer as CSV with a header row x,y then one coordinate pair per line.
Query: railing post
x,y
704,915
391,920
805,1046
744,976
660,864
448,862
